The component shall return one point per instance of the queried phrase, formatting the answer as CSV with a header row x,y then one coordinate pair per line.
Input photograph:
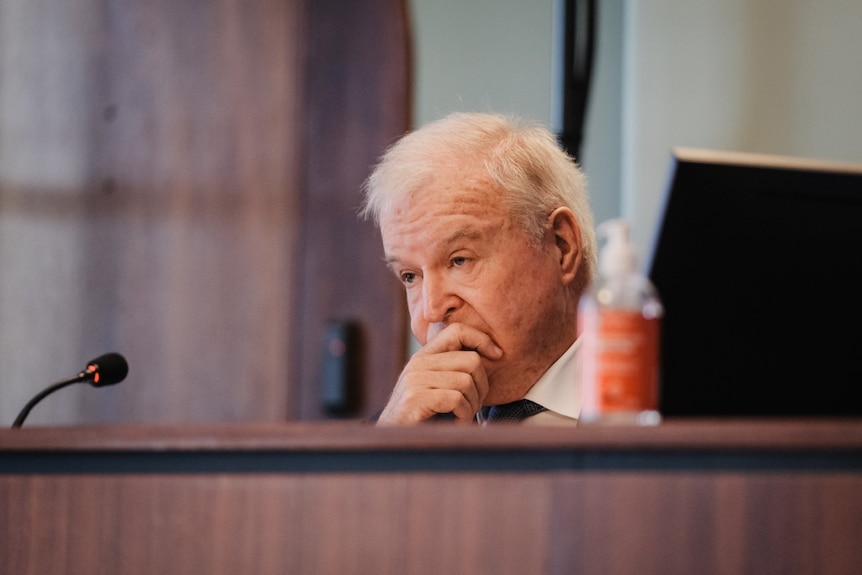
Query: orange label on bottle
x,y
619,362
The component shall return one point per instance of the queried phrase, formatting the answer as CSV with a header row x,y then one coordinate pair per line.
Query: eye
x,y
407,278
459,261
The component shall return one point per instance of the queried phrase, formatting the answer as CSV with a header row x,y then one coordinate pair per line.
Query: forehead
x,y
452,185
443,208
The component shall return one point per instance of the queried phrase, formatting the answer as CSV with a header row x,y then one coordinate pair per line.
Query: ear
x,y
567,242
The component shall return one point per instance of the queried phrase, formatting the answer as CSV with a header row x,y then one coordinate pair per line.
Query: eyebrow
x,y
390,262
467,232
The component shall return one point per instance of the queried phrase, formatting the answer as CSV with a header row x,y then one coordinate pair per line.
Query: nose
x,y
438,299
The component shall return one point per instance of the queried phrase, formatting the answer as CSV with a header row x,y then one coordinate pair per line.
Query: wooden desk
x,y
683,497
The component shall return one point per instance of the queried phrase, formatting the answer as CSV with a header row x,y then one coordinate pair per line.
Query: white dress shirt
x,y
558,391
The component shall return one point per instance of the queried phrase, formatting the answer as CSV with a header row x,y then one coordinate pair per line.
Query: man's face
x,y
463,259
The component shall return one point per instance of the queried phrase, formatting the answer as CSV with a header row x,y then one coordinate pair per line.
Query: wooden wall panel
x,y
200,158
598,522
177,182
695,496
49,81
359,102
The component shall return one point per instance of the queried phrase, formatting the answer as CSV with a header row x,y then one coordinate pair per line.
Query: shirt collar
x,y
559,388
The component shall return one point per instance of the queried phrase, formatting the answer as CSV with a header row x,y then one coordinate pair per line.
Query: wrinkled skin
x,y
491,309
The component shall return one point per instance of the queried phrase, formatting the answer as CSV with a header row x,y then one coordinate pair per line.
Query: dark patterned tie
x,y
515,411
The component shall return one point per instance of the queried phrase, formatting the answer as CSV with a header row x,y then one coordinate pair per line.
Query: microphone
x,y
106,369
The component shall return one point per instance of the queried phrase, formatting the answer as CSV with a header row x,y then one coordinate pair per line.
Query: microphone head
x,y
107,369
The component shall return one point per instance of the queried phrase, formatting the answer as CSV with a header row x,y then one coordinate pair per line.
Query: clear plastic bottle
x,y
619,318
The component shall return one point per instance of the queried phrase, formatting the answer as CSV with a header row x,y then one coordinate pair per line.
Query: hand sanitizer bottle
x,y
619,319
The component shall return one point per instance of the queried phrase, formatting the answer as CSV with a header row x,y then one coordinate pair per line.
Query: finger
x,y
461,370
433,330
442,377
463,411
469,390
458,336
419,397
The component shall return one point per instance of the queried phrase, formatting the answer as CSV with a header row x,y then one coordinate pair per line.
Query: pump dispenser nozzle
x,y
617,257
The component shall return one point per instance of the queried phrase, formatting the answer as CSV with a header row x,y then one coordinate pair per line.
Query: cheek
x,y
418,328
524,295
418,325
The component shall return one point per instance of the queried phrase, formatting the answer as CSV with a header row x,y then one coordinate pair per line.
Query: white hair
x,y
523,158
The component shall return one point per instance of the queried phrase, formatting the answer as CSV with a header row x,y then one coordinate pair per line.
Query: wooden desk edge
x,y
703,435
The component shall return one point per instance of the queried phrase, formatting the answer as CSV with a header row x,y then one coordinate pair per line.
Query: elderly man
x,y
486,222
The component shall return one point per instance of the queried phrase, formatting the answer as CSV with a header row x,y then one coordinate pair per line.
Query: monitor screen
x,y
758,261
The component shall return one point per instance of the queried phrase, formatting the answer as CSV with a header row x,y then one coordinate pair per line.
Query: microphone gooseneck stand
x,y
106,369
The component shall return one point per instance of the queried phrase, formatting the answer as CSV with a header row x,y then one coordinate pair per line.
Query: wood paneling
x,y
599,522
358,84
178,182
669,499
200,159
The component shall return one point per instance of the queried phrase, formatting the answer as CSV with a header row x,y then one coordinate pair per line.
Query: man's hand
x,y
445,376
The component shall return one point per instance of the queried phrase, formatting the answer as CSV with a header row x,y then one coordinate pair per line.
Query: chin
x,y
506,382
500,392
501,398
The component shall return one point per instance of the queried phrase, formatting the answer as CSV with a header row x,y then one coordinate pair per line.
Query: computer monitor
x,y
758,261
